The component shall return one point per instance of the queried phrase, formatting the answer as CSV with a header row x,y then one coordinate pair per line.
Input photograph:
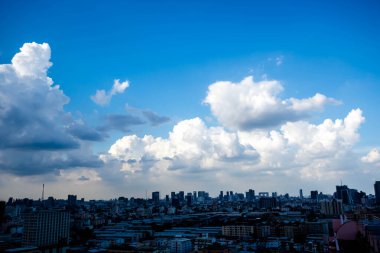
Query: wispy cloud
x,y
103,97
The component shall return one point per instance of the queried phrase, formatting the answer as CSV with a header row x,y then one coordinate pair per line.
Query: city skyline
x,y
116,99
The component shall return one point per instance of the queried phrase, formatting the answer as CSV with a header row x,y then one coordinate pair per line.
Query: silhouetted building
x,y
189,199
195,196
267,202
175,202
46,228
156,197
250,195
314,195
181,196
72,200
377,191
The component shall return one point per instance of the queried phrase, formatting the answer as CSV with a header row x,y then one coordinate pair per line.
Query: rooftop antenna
x,y
43,189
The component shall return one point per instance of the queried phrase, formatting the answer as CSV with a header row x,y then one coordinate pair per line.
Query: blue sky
x,y
171,52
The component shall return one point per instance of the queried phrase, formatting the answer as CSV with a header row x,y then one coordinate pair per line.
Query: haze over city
x,y
106,99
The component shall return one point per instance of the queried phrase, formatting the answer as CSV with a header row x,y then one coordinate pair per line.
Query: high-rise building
x,y
156,197
263,194
189,199
72,200
250,195
221,195
377,191
332,207
267,202
46,228
314,195
195,196
181,196
301,194
344,193
201,194
175,202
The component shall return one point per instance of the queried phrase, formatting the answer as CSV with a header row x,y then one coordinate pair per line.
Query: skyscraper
x,y
72,200
181,196
344,193
377,191
156,197
250,195
314,195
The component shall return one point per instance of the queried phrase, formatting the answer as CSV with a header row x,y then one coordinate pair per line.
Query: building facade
x,y
46,228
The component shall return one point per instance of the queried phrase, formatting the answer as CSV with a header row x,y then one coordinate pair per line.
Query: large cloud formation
x,y
261,138
190,145
37,135
248,104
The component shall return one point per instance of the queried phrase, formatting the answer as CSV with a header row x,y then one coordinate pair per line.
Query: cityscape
x,y
346,221
191,126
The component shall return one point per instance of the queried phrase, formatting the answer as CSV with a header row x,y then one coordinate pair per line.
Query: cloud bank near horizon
x,y
260,137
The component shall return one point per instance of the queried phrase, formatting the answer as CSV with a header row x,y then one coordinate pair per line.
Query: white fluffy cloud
x,y
248,104
103,97
372,157
37,135
33,60
296,151
190,145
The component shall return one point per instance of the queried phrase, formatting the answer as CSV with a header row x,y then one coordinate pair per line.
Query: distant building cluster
x,y
346,221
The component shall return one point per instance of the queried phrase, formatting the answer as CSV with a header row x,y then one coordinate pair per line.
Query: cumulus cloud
x,y
312,148
191,145
33,60
317,102
248,104
103,97
297,150
36,133
372,157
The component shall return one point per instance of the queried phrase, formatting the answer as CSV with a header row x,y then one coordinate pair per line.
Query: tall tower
x,y
43,192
